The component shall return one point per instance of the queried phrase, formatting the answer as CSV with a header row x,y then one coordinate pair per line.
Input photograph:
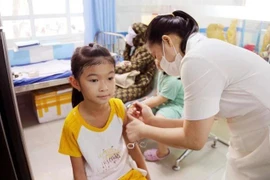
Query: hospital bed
x,y
41,75
41,85
40,79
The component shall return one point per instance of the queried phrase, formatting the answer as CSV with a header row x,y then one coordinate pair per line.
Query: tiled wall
x,y
41,53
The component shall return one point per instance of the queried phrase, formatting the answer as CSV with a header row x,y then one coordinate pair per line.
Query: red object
x,y
250,47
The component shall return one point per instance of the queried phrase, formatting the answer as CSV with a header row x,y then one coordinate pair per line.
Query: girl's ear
x,y
74,83
166,39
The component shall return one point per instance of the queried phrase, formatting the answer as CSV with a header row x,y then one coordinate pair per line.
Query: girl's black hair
x,y
179,23
84,57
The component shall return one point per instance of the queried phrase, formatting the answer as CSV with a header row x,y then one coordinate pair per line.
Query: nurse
x,y
219,79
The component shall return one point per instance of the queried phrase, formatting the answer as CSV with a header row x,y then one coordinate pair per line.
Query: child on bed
x,y
168,103
93,134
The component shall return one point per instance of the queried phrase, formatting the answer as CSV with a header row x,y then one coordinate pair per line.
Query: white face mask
x,y
130,36
171,68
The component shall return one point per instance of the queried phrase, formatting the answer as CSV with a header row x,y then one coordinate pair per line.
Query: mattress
x,y
40,72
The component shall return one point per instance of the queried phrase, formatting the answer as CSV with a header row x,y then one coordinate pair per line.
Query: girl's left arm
x,y
135,153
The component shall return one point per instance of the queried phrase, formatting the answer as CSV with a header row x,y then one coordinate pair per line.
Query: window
x,y
55,20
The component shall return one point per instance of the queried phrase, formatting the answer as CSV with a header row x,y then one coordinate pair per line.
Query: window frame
x,y
68,37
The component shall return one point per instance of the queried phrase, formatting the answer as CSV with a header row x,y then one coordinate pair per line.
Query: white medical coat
x,y
220,78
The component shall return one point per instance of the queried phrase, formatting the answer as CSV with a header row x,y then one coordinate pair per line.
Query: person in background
x,y
136,58
168,103
93,133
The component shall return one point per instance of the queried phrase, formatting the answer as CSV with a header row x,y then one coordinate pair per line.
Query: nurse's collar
x,y
193,40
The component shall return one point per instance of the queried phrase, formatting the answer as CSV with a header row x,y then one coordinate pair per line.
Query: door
x,y
13,156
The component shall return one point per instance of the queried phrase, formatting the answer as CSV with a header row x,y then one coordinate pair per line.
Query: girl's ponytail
x,y
76,97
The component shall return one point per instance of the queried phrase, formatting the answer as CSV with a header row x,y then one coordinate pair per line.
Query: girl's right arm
x,y
78,168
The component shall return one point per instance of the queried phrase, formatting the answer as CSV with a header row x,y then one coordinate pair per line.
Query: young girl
x,y
168,103
93,134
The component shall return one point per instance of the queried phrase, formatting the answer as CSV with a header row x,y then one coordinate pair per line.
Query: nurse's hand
x,y
141,112
135,129
134,111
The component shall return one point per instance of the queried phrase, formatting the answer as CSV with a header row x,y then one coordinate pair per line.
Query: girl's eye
x,y
111,78
93,80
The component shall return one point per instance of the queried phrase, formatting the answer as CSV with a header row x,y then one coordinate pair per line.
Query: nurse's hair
x,y
84,57
179,23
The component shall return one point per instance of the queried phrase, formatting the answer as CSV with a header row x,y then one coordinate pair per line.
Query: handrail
x,y
108,33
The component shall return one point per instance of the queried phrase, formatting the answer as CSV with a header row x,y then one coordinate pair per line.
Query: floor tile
x,y
56,128
217,175
46,160
197,165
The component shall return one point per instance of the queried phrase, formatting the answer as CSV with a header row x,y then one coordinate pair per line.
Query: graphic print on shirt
x,y
110,157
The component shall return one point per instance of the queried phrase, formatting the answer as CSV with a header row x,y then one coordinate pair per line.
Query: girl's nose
x,y
103,86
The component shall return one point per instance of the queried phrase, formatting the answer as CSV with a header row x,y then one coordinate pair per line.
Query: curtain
x,y
99,15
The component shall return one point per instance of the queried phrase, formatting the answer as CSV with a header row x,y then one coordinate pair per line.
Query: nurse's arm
x,y
155,120
193,134
165,122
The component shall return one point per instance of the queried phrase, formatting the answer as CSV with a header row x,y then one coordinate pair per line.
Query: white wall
x,y
132,11
204,11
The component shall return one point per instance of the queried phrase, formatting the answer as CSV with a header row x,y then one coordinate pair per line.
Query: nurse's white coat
x,y
220,78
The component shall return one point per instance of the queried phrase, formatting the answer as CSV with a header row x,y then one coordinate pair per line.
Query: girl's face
x,y
97,83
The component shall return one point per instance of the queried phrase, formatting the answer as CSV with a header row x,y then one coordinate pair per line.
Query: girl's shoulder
x,y
116,100
118,107
73,118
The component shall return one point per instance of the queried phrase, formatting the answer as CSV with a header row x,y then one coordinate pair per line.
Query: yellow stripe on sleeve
x,y
119,107
70,132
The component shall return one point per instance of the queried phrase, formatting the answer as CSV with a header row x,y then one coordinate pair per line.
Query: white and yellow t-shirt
x,y
103,149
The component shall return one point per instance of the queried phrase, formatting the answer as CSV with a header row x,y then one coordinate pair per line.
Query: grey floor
x,y
42,141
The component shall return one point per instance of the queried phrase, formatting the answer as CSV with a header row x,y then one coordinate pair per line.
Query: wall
x,y
41,53
204,11
129,12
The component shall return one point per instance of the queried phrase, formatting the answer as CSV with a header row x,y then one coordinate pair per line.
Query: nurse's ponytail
x,y
191,26
179,23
